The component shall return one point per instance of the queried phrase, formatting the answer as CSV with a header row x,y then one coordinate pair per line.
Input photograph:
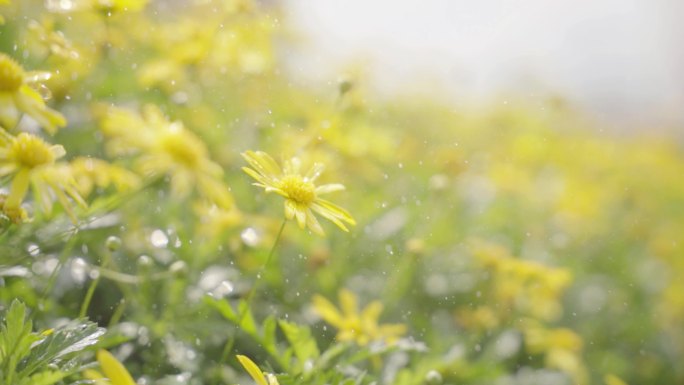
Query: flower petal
x,y
113,369
29,101
253,370
314,172
328,188
336,210
348,303
313,224
290,208
300,215
327,311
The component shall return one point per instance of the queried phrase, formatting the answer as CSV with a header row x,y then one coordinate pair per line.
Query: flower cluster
x,y
358,326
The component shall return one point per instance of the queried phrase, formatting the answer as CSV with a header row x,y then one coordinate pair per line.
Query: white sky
x,y
623,60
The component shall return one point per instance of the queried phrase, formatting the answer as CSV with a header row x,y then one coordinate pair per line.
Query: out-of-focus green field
x,y
515,245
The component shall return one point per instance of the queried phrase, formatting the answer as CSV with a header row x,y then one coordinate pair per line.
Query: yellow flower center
x,y
298,189
11,74
31,151
184,149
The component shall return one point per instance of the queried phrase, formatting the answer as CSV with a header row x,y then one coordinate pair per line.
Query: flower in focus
x,y
360,327
16,97
259,377
114,372
31,161
167,148
301,195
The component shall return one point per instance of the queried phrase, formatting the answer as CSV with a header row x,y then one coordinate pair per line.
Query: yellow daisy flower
x,y
167,148
90,173
16,97
300,193
31,161
259,377
360,327
114,372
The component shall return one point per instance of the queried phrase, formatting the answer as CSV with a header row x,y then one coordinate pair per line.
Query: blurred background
x,y
619,60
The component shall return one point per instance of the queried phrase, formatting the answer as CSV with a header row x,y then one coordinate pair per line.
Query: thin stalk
x,y
93,286
248,301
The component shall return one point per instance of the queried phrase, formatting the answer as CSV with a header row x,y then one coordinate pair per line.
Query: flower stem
x,y
248,301
92,287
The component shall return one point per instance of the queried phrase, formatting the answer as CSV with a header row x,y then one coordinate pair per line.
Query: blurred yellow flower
x,y
611,379
105,6
89,173
167,148
31,161
259,377
360,327
300,193
562,348
526,286
17,97
50,41
114,372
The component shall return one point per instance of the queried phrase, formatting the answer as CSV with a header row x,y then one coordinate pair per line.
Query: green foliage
x,y
31,358
517,244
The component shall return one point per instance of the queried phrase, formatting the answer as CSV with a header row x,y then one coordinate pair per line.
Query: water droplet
x,y
94,274
178,268
79,269
159,239
113,243
33,249
223,289
59,5
250,237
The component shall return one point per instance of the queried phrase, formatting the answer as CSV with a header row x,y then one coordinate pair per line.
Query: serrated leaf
x,y
16,339
44,378
67,339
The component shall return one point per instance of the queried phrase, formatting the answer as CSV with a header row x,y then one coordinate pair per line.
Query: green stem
x,y
91,288
62,259
248,301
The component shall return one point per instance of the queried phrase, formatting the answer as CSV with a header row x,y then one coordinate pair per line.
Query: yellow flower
x,y
259,377
16,97
114,371
50,41
362,327
167,148
89,173
611,379
31,161
300,193
105,6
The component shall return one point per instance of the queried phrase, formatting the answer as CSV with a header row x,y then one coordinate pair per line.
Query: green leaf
x,y
223,307
269,335
44,378
15,339
246,319
303,344
65,340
